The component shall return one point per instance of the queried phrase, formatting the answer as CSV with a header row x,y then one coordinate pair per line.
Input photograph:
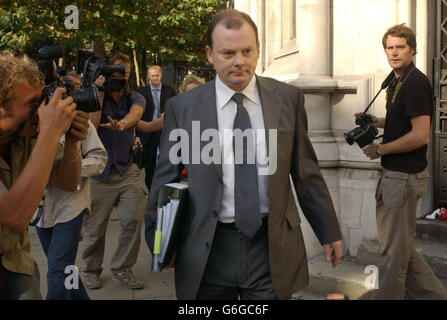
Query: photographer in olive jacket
x,y
26,165
404,175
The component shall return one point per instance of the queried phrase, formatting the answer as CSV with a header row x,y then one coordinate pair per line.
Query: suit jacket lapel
x,y
271,106
162,98
205,111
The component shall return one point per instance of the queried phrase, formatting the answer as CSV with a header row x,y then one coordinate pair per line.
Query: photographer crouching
x,y
405,175
27,164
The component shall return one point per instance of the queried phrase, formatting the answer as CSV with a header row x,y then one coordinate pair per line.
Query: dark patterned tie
x,y
246,194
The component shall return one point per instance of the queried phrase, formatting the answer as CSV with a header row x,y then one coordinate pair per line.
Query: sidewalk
x,y
157,286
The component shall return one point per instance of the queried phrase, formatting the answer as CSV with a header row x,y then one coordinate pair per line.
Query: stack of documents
x,y
170,215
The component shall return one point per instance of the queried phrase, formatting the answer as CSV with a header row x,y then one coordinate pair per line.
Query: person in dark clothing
x,y
149,127
405,174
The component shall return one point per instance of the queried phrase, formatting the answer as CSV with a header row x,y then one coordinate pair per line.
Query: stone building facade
x,y
332,49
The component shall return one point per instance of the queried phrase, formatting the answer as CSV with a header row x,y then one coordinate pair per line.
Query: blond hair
x,y
191,79
14,70
156,67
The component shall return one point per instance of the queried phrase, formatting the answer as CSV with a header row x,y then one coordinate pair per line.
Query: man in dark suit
x,y
242,235
156,95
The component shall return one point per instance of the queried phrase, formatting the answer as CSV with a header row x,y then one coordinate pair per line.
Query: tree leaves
x,y
173,29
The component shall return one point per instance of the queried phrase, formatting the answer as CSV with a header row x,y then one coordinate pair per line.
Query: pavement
x,y
157,286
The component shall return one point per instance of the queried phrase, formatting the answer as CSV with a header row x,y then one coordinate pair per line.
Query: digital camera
x,y
86,100
364,134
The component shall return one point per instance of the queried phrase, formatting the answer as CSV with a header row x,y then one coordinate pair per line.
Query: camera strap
x,y
399,85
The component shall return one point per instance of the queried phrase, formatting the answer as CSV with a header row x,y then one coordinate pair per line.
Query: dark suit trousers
x,y
150,161
238,267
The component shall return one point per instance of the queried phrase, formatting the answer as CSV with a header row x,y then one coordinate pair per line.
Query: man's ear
x,y
208,54
3,112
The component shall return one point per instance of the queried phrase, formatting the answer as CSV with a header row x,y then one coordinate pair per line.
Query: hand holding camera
x,y
374,120
366,132
57,116
79,127
372,151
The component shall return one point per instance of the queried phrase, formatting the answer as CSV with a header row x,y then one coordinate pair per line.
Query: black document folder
x,y
171,211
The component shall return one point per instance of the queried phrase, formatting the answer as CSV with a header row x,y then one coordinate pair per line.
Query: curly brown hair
x,y
14,70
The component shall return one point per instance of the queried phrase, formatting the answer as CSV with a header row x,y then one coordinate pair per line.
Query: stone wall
x,y
338,60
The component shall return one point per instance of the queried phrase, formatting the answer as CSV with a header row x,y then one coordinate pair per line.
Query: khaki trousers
x,y
400,266
128,193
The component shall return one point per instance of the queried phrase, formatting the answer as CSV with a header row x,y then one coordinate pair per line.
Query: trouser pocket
x,y
394,188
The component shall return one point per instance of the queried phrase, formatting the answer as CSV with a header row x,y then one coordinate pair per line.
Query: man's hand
x,y
333,252
158,123
137,140
171,263
376,121
113,125
79,127
100,81
371,151
57,115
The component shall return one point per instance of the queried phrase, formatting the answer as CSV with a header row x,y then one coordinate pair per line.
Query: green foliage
x,y
173,29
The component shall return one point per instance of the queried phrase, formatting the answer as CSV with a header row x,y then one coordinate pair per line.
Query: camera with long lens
x,y
364,134
95,66
86,100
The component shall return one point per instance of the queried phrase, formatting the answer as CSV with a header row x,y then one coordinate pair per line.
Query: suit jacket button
x,y
207,245
215,213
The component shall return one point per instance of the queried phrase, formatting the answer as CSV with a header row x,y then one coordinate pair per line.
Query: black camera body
x,y
96,66
364,134
86,100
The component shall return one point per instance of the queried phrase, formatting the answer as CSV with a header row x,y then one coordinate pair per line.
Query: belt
x,y
232,225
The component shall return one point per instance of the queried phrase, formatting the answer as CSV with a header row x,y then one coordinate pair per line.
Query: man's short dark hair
x,y
73,74
120,56
232,19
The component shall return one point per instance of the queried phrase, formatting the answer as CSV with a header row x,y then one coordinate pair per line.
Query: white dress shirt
x,y
226,112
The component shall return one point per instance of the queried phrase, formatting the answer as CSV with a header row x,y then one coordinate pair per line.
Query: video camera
x,y
86,100
366,133
95,66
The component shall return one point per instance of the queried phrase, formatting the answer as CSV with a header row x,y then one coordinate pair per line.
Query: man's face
x,y
154,77
22,100
399,54
234,55
76,83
